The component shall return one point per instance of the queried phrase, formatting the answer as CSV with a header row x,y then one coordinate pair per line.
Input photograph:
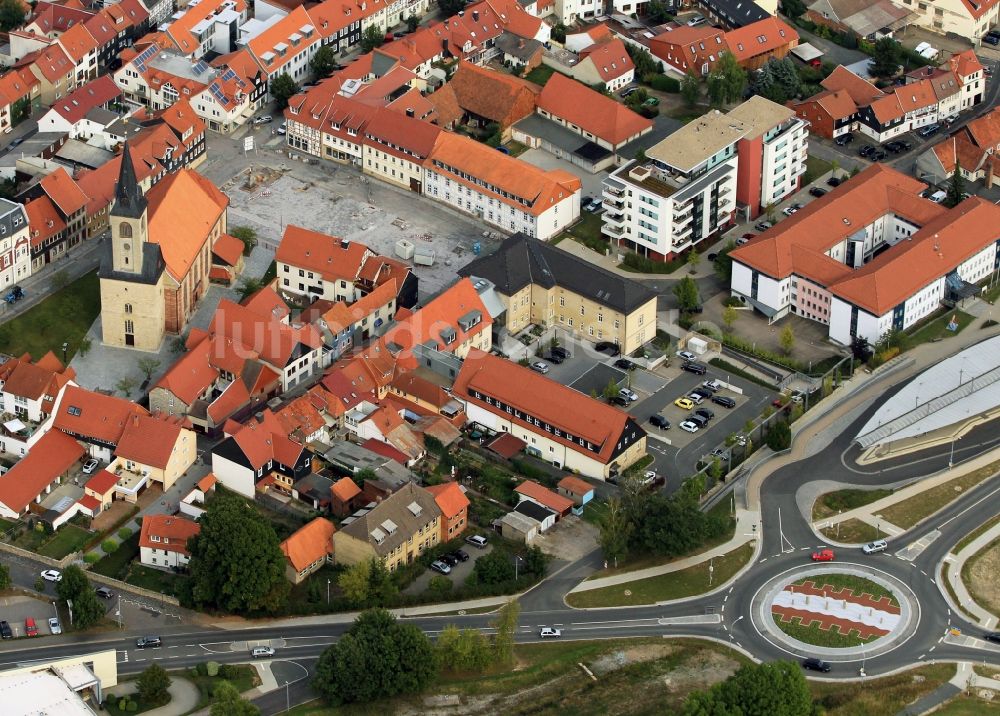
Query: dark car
x,y
619,401
993,636
625,364
148,641
449,559
104,593
696,368
991,40
865,150
561,352
460,555
929,130
723,401
700,420
878,155
712,257
608,347
817,192
833,181
898,146
702,392
844,139
705,413
763,225
816,665
660,422
554,357
5,630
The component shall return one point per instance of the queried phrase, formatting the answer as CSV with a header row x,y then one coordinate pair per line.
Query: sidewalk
x,y
745,520
184,696
703,268
956,561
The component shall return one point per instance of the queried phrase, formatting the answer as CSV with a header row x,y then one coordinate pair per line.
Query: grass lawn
x,y
155,579
963,705
540,75
116,564
112,705
594,511
66,540
852,531
63,317
990,672
878,697
245,679
859,585
6,525
938,328
974,534
979,577
673,585
827,638
588,232
636,562
843,500
816,167
951,593
516,149
687,114
909,512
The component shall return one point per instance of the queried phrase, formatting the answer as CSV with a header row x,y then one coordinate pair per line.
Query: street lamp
x,y
65,347
517,560
328,592
951,456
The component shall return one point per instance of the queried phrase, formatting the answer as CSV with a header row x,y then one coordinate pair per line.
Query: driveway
x,y
458,573
570,539
543,160
16,608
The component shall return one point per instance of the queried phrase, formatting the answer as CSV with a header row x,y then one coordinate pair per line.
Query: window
x,y
129,326
125,230
128,308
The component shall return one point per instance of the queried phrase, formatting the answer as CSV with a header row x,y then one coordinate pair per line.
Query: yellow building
x,y
543,285
152,449
397,531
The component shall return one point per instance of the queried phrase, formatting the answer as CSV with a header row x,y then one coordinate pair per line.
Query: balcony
x,y
612,199
614,217
616,191
615,231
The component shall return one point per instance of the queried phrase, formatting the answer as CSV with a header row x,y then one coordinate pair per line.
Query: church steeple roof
x,y
129,199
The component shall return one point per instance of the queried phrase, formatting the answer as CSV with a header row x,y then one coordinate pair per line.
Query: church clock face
x,y
125,246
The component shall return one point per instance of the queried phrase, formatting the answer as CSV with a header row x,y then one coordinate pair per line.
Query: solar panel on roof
x,y
228,75
200,68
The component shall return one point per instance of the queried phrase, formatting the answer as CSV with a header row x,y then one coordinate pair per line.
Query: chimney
x,y
410,112
475,15
344,243
520,43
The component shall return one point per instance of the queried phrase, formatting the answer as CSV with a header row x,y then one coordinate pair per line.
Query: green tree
x,y
234,535
773,688
729,316
60,279
658,12
611,389
4,577
690,89
371,38
323,62
558,32
450,7
75,587
497,567
506,628
465,650
734,77
283,88
377,658
247,235
412,22
956,188
645,64
686,292
793,8
125,386
886,56
692,259
85,345
787,339
779,437
614,531
248,286
354,582
12,14
226,701
723,264
152,684
148,366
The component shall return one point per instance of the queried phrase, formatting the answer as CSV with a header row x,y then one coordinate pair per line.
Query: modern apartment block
x,y
684,192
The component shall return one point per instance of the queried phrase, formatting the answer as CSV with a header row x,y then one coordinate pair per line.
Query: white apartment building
x,y
15,244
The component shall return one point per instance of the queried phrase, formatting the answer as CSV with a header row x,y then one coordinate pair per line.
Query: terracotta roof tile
x,y
544,496
50,457
64,192
148,440
450,499
171,532
575,485
96,93
497,96
94,415
309,544
332,258
861,90
593,112
228,248
758,38
345,489
610,59
439,318
102,482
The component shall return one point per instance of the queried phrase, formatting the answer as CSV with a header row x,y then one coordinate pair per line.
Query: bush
x,y
779,437
229,671
644,265
109,546
212,668
91,557
665,84
124,533
132,706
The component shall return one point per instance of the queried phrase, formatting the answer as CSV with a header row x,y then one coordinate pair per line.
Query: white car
x,y
712,385
52,575
282,128
689,426
54,626
789,210
629,395
549,632
686,355
90,466
540,367
441,566
264,119
649,478
879,545
261,652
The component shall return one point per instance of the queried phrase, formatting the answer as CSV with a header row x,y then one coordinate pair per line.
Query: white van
x,y
938,196
921,47
930,53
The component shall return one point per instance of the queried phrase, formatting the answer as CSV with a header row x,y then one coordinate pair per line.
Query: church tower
x,y
128,219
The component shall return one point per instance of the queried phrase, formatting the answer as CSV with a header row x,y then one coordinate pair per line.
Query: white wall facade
x,y
162,558
234,476
783,162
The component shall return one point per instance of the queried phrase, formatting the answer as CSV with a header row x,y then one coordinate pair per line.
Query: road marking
x,y
923,572
922,656
730,590
933,647
762,561
984,497
726,599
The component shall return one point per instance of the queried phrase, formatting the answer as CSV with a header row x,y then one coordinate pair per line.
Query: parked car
x,y
608,347
865,150
813,664
90,466
695,367
561,352
440,566
659,421
742,241
104,593
898,145
585,202
263,119
261,652
724,401
620,400
627,91
929,130
144,642
54,626
684,403
713,385
282,128
689,426
700,420
5,630
554,358
686,355
549,633
817,192
879,545
476,541
695,398
763,225
702,393
697,21
15,294
844,139
992,38
30,628
824,555
705,413
52,575
720,453
789,210
460,554
625,364
878,155
628,394
833,181
993,636
540,367
449,559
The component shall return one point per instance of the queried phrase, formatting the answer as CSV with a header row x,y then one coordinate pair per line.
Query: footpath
x,y
955,562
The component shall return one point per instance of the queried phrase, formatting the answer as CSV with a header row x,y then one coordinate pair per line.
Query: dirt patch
x,y
700,673
625,657
980,577
570,539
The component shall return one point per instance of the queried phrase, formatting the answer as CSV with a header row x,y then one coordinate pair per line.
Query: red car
x,y
29,627
825,555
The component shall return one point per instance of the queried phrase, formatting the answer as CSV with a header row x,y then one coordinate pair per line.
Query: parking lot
x,y
458,572
15,609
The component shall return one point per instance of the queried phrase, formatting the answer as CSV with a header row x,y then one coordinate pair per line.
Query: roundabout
x,y
847,612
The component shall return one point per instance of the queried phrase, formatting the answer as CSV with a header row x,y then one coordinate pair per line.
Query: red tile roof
x,y
263,439
94,415
570,411
54,64
440,315
96,93
17,83
497,96
64,192
279,34
688,49
345,489
332,258
102,482
173,533
392,132
965,63
610,59
575,485
593,112
148,440
761,37
449,498
44,220
862,91
228,248
386,450
51,457
544,496
309,544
